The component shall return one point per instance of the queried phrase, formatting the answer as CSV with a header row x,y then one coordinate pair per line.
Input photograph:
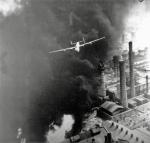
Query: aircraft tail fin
x,y
83,40
72,43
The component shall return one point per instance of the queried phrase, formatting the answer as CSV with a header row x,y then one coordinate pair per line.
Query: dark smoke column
x,y
123,91
132,84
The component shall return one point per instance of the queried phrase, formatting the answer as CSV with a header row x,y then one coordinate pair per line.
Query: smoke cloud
x,y
8,7
137,26
36,87
57,134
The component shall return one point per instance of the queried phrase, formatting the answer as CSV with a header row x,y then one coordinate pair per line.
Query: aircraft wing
x,y
61,50
91,42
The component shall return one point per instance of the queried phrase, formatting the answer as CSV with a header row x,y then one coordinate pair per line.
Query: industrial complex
x,y
124,115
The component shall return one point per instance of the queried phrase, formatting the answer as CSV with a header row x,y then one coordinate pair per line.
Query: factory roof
x,y
111,107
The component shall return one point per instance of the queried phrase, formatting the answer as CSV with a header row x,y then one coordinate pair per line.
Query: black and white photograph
x,y
74,71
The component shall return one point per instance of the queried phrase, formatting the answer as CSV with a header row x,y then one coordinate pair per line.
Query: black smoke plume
x,y
38,88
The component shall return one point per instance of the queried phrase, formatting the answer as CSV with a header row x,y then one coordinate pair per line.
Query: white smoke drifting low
x,y
58,134
136,27
8,7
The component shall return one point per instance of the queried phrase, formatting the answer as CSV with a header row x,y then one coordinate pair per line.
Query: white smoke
x,y
137,27
7,7
58,134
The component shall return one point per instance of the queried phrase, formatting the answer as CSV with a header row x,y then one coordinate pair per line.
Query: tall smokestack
x,y
101,89
116,65
132,84
116,60
147,84
123,91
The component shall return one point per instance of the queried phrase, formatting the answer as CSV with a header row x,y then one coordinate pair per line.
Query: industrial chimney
x,y
116,65
132,84
147,84
123,91
101,89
